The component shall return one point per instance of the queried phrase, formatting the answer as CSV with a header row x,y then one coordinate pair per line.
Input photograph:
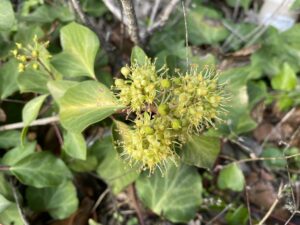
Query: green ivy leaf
x,y
138,56
41,169
87,165
243,3
285,80
5,188
86,103
116,172
80,46
8,76
10,138
200,151
231,177
7,17
49,13
239,216
59,201
74,145
274,153
176,195
58,88
11,216
31,109
33,81
16,154
4,203
205,27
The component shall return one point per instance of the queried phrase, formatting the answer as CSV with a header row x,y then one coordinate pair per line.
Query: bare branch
x,y
163,18
154,11
80,13
132,21
114,9
38,122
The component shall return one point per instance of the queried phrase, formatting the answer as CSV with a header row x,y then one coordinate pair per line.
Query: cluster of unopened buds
x,y
168,108
29,55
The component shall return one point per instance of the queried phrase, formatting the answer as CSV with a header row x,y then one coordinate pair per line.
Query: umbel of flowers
x,y
33,55
167,109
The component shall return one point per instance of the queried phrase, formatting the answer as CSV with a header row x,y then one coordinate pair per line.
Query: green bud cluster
x,y
139,88
177,106
31,55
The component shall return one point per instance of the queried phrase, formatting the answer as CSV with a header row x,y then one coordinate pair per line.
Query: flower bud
x,y
163,109
125,71
21,67
34,53
176,124
148,130
165,83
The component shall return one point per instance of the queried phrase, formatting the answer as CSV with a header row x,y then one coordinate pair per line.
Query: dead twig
x,y
100,199
163,18
18,203
114,9
271,209
285,118
39,122
248,204
136,205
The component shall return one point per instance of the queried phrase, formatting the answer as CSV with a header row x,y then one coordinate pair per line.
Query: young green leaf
x,y
138,56
176,195
239,216
286,80
117,173
59,201
86,103
87,165
4,203
58,88
10,138
274,153
15,155
31,109
7,17
80,46
231,177
200,151
74,145
8,77
212,30
33,81
41,169
244,3
5,188
11,215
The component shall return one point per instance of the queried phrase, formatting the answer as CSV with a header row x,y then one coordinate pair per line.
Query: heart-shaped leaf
x,y
176,195
86,103
80,46
41,169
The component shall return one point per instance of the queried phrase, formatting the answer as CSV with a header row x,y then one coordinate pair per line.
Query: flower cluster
x,y
168,108
31,56
139,88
